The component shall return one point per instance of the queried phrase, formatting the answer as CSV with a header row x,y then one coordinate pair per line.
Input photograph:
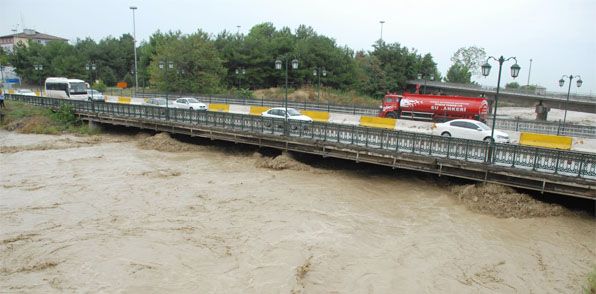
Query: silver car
x,y
95,95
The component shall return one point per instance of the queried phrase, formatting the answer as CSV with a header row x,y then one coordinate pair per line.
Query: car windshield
x,y
293,112
25,91
192,100
78,88
483,126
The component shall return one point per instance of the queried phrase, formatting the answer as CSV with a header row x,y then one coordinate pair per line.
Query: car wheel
x,y
488,140
190,108
391,115
267,124
446,134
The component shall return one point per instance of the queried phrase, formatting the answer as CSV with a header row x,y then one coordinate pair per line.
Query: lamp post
x,y
239,73
278,64
529,72
426,77
166,65
134,44
91,67
485,72
561,83
318,72
39,68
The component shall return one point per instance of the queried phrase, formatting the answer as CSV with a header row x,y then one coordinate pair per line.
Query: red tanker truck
x,y
433,107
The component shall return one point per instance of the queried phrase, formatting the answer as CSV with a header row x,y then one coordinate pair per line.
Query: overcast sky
x,y
559,36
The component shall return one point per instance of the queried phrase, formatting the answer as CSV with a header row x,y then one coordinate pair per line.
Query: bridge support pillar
x,y
94,125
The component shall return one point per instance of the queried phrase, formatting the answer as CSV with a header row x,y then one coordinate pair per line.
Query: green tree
x,y
458,73
3,57
197,66
512,85
471,58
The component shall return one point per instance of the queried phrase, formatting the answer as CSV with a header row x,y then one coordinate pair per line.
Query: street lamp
x,y
91,67
382,22
278,63
318,72
485,72
39,68
134,44
166,65
561,83
239,73
426,77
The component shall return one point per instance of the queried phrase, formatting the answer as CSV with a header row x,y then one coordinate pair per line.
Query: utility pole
x,y
382,22
134,42
529,71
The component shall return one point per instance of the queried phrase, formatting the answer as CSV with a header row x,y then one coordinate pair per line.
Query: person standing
x,y
1,99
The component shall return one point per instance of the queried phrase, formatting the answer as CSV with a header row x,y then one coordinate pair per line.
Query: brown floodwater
x,y
119,213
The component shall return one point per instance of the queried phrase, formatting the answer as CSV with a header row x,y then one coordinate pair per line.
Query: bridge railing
x,y
567,163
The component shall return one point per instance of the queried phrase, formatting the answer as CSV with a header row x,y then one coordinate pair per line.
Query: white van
x,y
66,88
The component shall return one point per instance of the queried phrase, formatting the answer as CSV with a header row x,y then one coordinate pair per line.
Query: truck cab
x,y
390,106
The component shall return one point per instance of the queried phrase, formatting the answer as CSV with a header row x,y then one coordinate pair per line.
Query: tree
x,y
471,58
458,73
512,85
197,67
3,57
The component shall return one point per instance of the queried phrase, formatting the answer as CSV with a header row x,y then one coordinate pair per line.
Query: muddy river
x,y
118,213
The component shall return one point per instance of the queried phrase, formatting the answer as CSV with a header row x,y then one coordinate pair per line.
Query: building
x,y
9,41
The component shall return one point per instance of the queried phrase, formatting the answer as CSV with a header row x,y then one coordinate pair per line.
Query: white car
x,y
469,129
159,102
94,95
293,114
189,103
25,92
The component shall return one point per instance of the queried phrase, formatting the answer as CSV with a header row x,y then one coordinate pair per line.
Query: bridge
x,y
566,173
583,103
517,125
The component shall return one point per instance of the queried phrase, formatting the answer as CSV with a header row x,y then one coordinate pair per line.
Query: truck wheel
x,y
446,134
391,115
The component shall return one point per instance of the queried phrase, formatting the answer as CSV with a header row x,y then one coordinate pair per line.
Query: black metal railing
x,y
566,163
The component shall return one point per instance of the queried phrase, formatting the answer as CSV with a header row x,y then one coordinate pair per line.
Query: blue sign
x,y
13,81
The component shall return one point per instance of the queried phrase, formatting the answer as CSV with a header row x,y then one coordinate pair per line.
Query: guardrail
x,y
520,92
552,128
328,107
566,163
517,125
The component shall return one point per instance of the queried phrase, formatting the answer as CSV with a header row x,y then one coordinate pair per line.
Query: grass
x,y
25,118
305,94
591,284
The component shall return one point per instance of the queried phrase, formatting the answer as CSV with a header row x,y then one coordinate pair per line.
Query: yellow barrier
x,y
11,91
219,107
124,100
547,141
322,116
377,122
257,110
